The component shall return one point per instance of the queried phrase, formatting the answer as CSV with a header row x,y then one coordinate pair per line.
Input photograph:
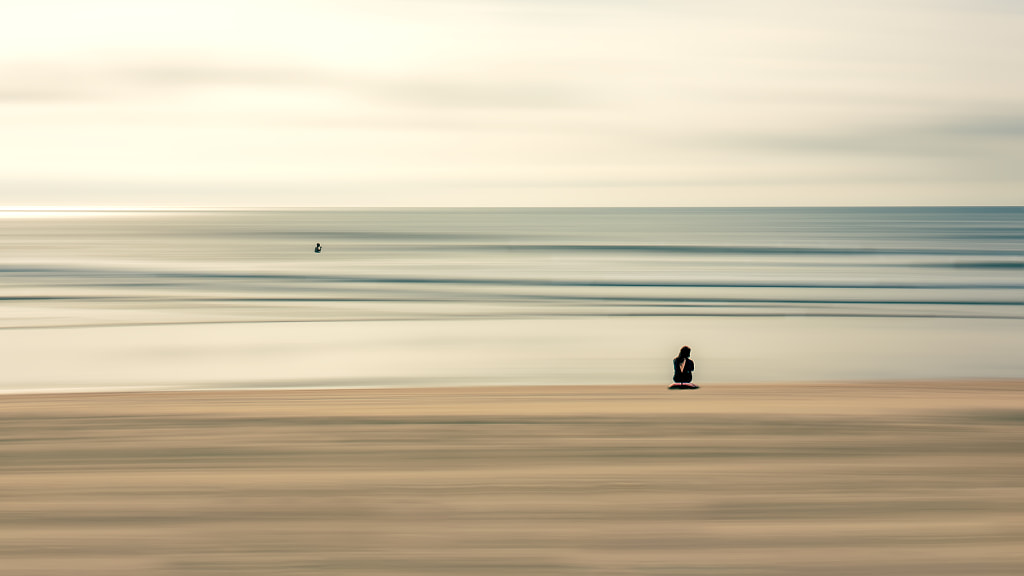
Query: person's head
x,y
684,352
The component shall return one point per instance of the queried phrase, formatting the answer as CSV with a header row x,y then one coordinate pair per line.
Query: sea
x,y
222,299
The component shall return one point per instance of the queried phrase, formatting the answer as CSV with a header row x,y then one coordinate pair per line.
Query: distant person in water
x,y
317,249
682,368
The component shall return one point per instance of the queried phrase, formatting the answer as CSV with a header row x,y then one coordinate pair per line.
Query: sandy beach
x,y
868,478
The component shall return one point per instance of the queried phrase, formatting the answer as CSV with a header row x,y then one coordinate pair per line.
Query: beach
x,y
886,477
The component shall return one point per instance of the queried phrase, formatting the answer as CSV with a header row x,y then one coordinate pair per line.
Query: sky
x,y
264,103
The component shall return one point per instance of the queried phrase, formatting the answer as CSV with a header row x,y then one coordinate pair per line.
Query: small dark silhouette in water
x,y
682,368
317,249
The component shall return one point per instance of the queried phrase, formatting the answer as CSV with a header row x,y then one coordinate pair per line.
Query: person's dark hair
x,y
684,352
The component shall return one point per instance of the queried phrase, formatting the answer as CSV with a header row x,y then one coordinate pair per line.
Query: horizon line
x,y
218,208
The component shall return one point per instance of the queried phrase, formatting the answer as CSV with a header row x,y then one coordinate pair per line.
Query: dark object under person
x,y
682,368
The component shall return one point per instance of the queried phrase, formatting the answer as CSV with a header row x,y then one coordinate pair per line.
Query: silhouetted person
x,y
682,368
317,249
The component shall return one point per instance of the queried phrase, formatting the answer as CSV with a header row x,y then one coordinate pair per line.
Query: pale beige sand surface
x,y
871,478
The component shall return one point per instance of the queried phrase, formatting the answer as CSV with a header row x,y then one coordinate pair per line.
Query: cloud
x,y
54,84
940,137
42,84
987,126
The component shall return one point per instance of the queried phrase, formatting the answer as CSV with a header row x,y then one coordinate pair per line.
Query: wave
x,y
534,316
741,250
646,300
49,273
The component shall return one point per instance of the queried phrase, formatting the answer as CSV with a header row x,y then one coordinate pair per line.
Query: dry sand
x,y
878,478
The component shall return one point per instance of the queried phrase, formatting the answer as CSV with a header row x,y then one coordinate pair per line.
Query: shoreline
x,y
285,388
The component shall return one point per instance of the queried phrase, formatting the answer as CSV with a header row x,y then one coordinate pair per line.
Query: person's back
x,y
683,369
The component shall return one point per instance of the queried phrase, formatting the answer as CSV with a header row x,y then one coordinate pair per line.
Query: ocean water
x,y
222,299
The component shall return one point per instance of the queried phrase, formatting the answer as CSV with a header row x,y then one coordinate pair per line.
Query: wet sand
x,y
871,478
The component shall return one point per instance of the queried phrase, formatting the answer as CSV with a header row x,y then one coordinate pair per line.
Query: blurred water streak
x,y
488,296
